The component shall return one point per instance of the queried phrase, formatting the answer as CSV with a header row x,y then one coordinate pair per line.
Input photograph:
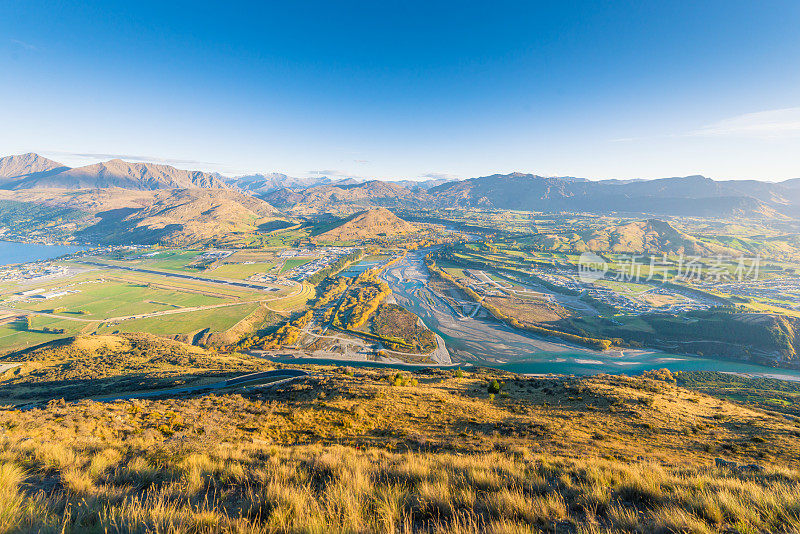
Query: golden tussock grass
x,y
361,451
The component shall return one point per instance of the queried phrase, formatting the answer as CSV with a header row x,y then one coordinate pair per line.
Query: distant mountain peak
x,y
122,174
26,164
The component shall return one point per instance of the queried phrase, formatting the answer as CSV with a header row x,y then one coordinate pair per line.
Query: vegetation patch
x,y
393,322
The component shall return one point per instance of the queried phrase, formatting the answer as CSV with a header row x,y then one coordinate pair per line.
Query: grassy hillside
x,y
184,217
367,225
370,450
102,365
652,236
114,215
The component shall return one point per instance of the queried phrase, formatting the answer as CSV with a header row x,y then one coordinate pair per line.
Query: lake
x,y
11,252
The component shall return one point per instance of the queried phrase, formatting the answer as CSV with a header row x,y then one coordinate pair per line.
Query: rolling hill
x,y
31,171
182,217
368,225
347,198
651,236
365,449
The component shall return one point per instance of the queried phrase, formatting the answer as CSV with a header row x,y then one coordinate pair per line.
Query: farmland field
x,y
294,262
14,336
98,294
215,319
165,260
111,299
239,271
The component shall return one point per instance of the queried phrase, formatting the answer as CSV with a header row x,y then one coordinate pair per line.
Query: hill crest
x,y
653,236
183,217
368,224
18,167
127,175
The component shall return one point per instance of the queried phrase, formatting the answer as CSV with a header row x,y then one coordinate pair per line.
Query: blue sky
x,y
408,89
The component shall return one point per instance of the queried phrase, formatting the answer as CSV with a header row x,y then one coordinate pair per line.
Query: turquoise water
x,y
360,267
542,365
633,365
492,344
11,252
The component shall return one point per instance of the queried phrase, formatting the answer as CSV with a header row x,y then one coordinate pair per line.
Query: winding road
x,y
261,379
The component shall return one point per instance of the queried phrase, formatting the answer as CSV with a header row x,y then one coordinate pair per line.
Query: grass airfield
x,y
109,300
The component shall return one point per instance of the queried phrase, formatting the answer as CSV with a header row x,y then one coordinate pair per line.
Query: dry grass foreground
x,y
371,451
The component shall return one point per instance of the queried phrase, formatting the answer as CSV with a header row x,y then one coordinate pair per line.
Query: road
x,y
249,380
234,283
6,366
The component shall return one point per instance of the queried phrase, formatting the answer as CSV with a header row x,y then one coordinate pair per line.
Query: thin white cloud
x,y
438,176
142,159
327,172
23,44
764,124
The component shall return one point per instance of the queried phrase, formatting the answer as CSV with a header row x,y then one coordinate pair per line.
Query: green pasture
x,y
13,336
172,260
239,271
291,263
111,299
284,237
625,287
215,319
176,260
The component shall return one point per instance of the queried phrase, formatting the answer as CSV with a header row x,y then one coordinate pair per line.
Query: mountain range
x,y
264,184
678,196
348,198
681,196
31,171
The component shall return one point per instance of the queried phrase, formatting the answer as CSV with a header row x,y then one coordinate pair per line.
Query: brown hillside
x,y
368,224
652,236
22,165
90,201
183,217
123,174
377,450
